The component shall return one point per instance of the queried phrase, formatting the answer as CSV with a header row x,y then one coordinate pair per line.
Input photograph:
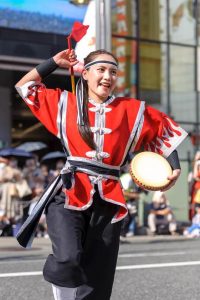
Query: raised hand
x,y
66,58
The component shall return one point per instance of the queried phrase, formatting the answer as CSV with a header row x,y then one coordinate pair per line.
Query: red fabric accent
x,y
78,31
112,193
121,120
79,197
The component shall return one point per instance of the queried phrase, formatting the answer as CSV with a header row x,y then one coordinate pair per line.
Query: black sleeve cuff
x,y
173,160
47,67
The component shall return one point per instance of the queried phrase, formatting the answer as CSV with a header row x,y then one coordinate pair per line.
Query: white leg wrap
x,y
64,293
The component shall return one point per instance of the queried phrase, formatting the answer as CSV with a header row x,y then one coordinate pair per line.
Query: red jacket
x,y
119,125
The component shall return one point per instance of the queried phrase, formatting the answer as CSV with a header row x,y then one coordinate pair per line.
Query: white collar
x,y
107,102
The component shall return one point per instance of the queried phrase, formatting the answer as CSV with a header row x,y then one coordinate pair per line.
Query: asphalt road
x,y
148,269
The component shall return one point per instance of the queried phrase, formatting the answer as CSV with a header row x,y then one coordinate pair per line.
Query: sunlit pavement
x,y
148,268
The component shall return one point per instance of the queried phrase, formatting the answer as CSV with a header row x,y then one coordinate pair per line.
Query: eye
x,y
101,69
114,72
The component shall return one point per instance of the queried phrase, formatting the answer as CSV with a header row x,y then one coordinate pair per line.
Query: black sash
x,y
27,231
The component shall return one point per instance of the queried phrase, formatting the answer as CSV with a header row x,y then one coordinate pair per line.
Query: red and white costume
x,y
119,125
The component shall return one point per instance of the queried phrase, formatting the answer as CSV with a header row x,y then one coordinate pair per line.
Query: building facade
x,y
157,43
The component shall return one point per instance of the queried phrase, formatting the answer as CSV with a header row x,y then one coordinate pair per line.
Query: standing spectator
x,y
161,214
41,230
10,198
3,164
30,173
191,182
195,190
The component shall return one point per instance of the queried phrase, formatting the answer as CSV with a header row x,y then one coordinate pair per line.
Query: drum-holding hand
x,y
173,178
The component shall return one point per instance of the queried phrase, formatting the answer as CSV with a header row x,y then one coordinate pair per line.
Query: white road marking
x,y
19,274
162,265
119,268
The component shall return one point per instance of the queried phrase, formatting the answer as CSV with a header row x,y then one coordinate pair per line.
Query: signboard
x,y
53,16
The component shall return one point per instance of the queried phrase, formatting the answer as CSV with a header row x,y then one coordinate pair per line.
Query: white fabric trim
x,y
24,90
101,130
135,131
100,109
63,108
97,154
138,132
174,141
112,98
64,293
68,206
58,119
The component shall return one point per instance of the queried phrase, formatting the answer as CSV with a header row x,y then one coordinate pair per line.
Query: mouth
x,y
105,85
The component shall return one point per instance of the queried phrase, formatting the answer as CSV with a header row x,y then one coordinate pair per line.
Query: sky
x,y
57,7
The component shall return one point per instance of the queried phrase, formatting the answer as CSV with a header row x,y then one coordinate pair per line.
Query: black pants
x,y
85,247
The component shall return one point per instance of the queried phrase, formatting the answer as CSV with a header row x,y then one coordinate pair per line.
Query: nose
x,y
107,75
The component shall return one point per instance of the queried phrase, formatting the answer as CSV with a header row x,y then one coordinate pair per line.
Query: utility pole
x,y
103,24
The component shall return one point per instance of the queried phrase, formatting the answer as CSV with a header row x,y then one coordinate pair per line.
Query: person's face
x,y
101,78
60,164
198,210
13,162
162,199
30,163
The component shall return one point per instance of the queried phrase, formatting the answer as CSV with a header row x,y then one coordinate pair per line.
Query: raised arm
x,y
64,59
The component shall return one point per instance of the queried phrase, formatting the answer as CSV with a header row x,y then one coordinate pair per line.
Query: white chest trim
x,y
97,154
101,130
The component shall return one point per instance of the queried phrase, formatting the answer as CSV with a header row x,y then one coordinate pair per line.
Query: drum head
x,y
150,171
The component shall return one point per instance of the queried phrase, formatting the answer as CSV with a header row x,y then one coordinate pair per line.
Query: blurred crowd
x,y
22,185
21,188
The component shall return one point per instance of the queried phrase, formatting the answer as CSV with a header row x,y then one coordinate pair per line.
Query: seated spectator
x,y
194,229
9,179
5,227
41,230
59,165
131,193
161,214
31,172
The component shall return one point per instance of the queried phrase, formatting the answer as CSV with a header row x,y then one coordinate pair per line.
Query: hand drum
x,y
150,171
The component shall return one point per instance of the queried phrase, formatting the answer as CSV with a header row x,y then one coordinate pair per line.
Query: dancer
x,y
86,203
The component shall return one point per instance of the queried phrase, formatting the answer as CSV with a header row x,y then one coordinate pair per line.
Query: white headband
x,y
100,62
